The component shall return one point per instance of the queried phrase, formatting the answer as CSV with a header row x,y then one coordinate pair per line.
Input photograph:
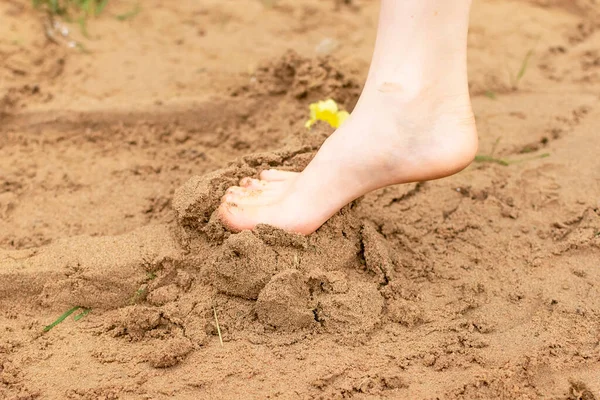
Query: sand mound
x,y
321,281
303,78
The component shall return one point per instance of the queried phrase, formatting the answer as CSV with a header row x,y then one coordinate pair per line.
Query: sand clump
x,y
244,265
169,353
284,303
357,310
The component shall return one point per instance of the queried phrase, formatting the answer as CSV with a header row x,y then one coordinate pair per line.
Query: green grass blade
x,y
82,314
54,8
544,155
492,160
83,27
86,6
101,6
490,94
130,14
523,66
61,318
495,146
63,7
506,163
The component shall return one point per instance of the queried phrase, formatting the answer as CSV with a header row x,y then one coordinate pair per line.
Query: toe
x,y
236,218
227,212
252,183
237,195
228,198
277,175
236,190
245,182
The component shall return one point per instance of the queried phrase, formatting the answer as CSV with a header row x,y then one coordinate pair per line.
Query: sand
x,y
484,285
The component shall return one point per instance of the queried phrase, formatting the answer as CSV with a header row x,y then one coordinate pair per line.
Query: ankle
x,y
418,80
413,103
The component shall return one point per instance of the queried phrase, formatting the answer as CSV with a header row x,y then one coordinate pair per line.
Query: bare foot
x,y
413,122
384,142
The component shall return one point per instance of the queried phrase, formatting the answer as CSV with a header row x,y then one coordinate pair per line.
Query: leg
x,y
413,122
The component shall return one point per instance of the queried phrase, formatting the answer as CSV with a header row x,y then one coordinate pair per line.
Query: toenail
x,y
245,181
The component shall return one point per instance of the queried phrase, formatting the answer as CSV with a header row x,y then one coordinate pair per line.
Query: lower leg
x,y
412,122
420,44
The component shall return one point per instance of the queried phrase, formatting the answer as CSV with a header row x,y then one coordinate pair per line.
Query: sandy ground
x,y
485,285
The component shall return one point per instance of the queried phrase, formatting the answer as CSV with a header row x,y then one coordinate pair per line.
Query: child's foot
x,y
391,137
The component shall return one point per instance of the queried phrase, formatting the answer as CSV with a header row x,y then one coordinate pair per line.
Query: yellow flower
x,y
326,111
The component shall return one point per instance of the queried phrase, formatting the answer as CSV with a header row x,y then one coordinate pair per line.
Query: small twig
x,y
218,327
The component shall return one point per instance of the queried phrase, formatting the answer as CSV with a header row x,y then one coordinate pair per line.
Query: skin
x,y
413,122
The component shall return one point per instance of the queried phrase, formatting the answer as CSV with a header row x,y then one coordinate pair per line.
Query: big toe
x,y
239,217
